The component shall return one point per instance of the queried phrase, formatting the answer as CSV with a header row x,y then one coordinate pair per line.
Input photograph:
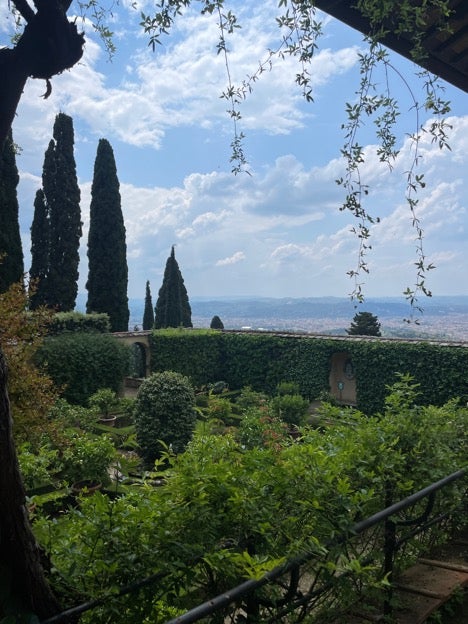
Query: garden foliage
x,y
164,414
234,506
31,390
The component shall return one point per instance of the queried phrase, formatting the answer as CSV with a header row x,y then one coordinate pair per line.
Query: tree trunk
x,y
13,76
49,45
22,579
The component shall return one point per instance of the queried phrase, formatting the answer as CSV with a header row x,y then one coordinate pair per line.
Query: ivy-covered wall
x,y
263,360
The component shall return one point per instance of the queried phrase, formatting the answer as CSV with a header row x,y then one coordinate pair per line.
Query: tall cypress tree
x,y
63,197
148,314
11,251
40,245
173,307
60,207
107,248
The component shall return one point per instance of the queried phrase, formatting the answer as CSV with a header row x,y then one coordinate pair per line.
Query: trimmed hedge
x,y
81,363
263,360
78,322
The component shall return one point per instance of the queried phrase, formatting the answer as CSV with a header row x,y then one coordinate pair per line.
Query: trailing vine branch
x,y
300,31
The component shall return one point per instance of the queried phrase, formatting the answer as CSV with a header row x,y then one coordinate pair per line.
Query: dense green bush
x,y
88,458
79,322
164,414
290,408
81,363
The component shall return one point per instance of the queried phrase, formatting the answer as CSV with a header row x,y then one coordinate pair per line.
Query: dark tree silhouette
x,y
56,228
49,45
148,314
216,323
173,307
107,247
364,324
11,251
40,244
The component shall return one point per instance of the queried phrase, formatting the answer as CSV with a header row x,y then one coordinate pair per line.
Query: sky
x,y
277,232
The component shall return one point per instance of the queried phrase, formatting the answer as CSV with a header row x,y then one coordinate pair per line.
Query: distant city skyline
x,y
443,318
278,232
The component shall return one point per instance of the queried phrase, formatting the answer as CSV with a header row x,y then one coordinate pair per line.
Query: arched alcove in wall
x,y
342,378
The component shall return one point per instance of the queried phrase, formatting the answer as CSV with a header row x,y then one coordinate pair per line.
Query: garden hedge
x,y
264,360
79,322
81,363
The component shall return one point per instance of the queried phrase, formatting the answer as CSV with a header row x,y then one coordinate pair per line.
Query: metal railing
x,y
318,587
323,583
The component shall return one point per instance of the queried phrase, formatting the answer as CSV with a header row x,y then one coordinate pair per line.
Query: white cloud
x,y
234,259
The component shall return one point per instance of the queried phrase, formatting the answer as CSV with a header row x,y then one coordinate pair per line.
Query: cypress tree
x,y
11,251
40,244
173,307
148,315
60,207
107,248
216,323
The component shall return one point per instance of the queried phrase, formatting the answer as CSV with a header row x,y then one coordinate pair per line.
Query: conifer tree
x,y
11,252
148,314
40,244
216,323
107,248
173,307
364,324
60,207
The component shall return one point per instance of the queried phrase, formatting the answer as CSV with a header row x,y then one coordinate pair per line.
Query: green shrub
x,y
88,459
290,408
81,363
164,414
287,387
78,322
251,398
38,468
66,415
258,429
104,401
221,409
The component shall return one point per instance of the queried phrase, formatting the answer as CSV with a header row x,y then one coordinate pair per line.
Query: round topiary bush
x,y
164,411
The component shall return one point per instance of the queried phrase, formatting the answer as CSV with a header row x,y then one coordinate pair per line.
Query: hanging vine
x,y
299,33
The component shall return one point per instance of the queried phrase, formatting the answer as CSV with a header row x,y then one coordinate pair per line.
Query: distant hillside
x,y
445,317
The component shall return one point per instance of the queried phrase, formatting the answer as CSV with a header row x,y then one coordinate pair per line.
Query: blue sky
x,y
278,232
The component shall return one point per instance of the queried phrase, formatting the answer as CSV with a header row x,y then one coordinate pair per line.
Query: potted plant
x,y
87,461
105,401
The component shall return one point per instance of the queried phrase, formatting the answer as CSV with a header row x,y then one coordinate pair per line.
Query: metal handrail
x,y
248,588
